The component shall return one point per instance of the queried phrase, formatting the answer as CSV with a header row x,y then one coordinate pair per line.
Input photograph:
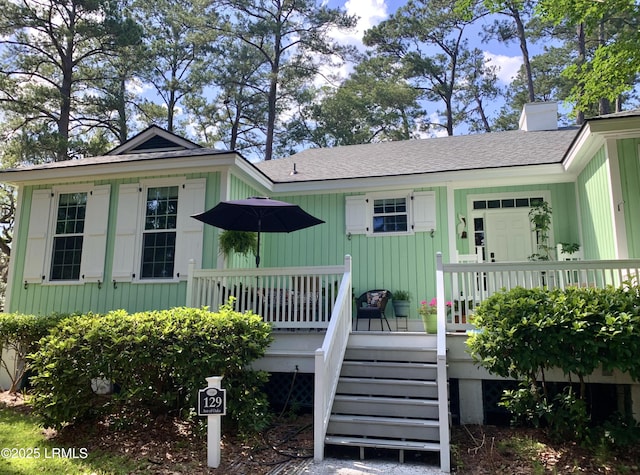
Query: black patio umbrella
x,y
258,214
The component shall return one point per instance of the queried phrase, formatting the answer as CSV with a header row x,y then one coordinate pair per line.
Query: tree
x,y
478,89
178,39
410,35
612,67
374,104
518,11
237,112
549,84
51,51
292,38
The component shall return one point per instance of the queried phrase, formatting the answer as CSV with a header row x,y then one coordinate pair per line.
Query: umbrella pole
x,y
258,246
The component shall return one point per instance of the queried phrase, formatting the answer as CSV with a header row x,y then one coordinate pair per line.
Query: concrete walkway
x,y
332,466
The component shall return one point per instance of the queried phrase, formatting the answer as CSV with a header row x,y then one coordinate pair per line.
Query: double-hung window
x,y
156,236
159,234
390,213
68,236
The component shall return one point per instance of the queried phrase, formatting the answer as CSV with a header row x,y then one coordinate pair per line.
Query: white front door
x,y
508,235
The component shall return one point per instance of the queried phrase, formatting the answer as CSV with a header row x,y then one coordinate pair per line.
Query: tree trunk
x,y
525,52
582,54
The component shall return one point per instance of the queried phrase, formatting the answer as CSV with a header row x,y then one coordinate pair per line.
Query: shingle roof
x,y
462,152
113,159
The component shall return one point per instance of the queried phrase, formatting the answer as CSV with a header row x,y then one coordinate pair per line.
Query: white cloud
x,y
368,13
508,66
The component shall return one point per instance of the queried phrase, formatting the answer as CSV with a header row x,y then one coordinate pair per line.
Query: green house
x,y
116,231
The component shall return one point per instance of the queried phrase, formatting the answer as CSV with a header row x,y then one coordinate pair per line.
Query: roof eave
x,y
593,135
513,175
133,168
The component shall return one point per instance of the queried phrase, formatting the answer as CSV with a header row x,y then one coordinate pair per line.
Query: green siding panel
x,y
566,226
630,181
595,209
91,297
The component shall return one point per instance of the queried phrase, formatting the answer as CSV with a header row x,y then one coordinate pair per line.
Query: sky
x,y
372,12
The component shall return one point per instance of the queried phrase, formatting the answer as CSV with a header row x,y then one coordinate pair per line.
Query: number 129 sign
x,y
212,402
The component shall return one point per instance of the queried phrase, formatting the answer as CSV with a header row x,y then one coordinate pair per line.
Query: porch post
x,y
443,396
189,296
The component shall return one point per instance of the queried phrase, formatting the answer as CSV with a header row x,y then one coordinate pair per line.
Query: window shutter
x,y
37,236
94,242
124,251
424,211
356,215
189,230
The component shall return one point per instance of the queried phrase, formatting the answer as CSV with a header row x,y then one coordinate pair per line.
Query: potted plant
x,y
401,303
241,242
429,313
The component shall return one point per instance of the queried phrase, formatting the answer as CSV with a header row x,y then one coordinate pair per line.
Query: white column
x,y
213,428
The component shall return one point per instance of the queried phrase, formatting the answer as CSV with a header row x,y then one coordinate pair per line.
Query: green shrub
x,y
156,360
526,332
21,333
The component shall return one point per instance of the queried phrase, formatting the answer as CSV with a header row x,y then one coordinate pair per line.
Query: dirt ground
x,y
170,447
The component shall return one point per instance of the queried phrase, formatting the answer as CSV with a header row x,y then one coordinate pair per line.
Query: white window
x,y
381,214
66,239
155,234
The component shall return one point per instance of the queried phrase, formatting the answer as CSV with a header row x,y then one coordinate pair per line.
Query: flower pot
x,y
401,308
430,323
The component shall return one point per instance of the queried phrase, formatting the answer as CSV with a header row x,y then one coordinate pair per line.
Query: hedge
x,y
156,361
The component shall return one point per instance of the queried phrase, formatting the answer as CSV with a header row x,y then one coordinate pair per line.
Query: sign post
x,y
212,403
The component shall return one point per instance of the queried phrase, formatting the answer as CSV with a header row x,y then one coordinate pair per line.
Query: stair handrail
x,y
328,360
441,375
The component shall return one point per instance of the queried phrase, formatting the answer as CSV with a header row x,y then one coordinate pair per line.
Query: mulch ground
x,y
169,446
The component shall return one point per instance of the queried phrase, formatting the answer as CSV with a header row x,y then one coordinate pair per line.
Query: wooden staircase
x,y
387,394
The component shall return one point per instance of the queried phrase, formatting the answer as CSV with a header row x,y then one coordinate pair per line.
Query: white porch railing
x,y
464,286
289,297
328,361
300,297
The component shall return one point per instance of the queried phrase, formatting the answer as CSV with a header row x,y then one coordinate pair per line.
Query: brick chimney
x,y
539,116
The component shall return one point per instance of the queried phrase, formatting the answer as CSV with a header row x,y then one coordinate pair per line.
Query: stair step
x,y
389,370
387,387
385,406
379,353
386,427
383,443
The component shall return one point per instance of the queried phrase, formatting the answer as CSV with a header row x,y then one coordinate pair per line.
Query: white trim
x,y
370,199
17,224
480,213
56,191
37,243
127,258
96,227
179,142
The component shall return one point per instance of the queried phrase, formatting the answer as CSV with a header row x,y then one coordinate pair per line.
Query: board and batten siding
x,y
566,227
106,295
629,162
238,190
395,262
594,191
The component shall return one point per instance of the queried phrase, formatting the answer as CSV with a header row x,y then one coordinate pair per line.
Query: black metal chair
x,y
371,305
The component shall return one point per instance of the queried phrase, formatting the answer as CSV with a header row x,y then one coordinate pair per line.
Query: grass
x,y
26,450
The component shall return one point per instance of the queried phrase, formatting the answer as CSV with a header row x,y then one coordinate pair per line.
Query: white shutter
x,y
189,230
424,211
36,250
94,241
356,214
124,251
